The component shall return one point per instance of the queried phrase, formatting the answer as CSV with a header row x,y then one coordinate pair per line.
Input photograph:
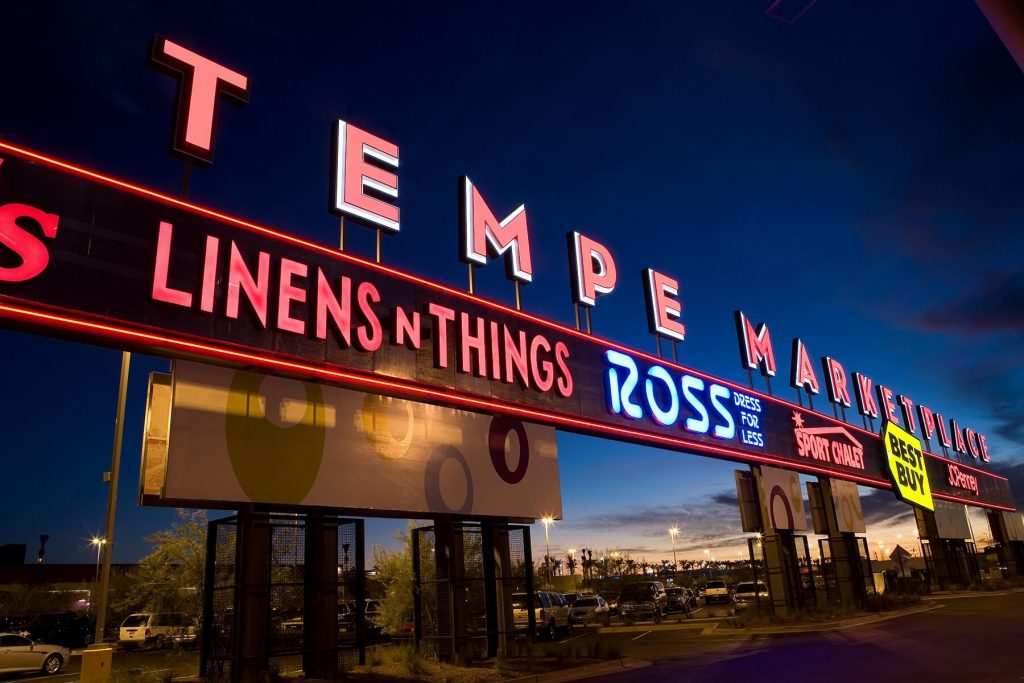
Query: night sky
x,y
853,179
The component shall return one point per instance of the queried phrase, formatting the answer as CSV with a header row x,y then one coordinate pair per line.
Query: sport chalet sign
x,y
102,260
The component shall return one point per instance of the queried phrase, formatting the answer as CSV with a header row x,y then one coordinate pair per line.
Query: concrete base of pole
x,y
97,661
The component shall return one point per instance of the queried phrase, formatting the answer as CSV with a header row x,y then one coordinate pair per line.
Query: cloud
x,y
996,383
709,523
726,498
883,508
995,305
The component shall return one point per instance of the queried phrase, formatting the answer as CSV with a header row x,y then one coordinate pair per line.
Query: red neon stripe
x,y
494,305
971,502
406,388
419,391
345,256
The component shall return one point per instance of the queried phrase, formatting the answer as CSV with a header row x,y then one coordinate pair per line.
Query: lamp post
x,y
673,532
547,543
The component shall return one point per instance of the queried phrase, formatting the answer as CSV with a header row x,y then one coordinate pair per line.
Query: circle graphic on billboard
x,y
275,435
449,482
500,446
388,425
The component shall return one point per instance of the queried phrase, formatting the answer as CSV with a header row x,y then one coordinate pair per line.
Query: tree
x,y
29,600
394,569
170,578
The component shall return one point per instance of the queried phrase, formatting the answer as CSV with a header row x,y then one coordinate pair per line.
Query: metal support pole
x,y
470,267
341,234
519,302
186,180
589,330
115,471
209,576
378,245
576,314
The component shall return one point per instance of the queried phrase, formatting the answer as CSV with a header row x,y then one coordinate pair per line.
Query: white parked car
x,y
590,609
550,613
748,592
19,654
155,630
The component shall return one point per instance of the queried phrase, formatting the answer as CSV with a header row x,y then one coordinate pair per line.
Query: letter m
x,y
482,235
755,346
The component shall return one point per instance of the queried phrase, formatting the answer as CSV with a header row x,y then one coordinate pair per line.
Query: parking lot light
x,y
547,520
98,543
673,532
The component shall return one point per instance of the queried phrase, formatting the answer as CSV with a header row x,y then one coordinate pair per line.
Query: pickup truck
x,y
716,591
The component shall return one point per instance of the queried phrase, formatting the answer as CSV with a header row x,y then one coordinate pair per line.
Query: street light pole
x,y
673,532
547,544
115,470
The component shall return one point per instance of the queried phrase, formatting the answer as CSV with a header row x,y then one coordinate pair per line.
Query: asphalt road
x,y
978,638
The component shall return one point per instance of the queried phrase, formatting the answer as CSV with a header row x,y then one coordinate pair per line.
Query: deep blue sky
x,y
853,179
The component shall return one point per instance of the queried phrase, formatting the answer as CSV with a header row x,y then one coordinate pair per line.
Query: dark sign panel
x,y
103,260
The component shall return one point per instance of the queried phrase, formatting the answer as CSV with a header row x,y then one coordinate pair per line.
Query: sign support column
x,y
843,549
775,566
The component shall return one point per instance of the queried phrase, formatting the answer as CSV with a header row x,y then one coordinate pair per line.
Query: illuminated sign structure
x,y
873,400
103,260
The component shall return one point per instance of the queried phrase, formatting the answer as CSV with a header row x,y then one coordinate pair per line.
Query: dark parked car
x,y
677,600
643,600
590,609
68,629
612,598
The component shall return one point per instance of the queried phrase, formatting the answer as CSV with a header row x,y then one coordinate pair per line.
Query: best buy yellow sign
x,y
906,465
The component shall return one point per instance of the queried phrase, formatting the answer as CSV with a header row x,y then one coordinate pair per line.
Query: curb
x,y
825,626
585,671
695,625
934,597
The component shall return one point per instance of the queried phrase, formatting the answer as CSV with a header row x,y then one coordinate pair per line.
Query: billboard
x,y
849,513
238,436
783,499
106,261
951,520
1014,526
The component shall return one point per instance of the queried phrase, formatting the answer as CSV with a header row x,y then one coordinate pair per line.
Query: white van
x,y
154,630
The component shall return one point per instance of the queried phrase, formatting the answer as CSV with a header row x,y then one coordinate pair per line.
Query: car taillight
x,y
542,614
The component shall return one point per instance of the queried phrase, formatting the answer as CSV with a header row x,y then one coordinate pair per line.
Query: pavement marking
x,y
640,636
972,594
